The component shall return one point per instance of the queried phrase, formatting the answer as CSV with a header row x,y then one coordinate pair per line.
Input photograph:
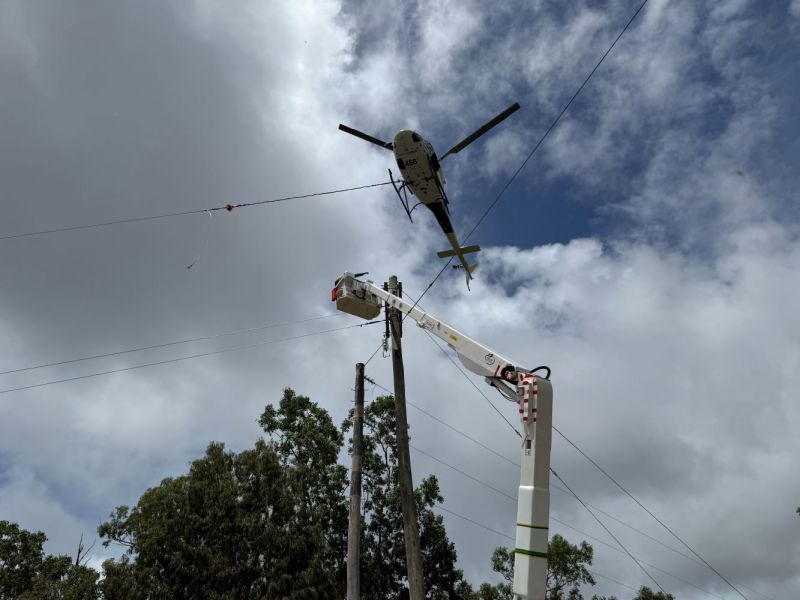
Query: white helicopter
x,y
422,176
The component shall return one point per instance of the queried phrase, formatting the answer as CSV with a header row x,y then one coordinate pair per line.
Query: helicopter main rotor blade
x,y
475,135
366,137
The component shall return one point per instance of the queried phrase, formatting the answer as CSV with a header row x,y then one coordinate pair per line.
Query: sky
x,y
647,253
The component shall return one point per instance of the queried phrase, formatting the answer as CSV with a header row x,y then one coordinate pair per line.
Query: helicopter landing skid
x,y
402,194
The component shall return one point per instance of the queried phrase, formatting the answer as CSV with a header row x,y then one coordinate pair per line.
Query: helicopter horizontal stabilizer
x,y
463,250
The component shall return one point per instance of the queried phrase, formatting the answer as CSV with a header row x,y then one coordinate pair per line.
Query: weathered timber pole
x,y
354,524
416,587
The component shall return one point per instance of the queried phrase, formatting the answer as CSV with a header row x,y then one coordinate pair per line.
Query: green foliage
x,y
271,522
645,593
382,545
566,568
566,571
27,574
267,522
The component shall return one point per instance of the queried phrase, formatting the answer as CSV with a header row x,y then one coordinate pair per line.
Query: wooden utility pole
x,y
416,587
354,524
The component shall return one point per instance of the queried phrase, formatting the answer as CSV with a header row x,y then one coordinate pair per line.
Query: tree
x,y
645,593
307,443
566,568
566,571
267,522
27,574
382,545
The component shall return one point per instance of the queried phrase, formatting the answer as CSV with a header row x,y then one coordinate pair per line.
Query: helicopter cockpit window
x,y
415,137
435,163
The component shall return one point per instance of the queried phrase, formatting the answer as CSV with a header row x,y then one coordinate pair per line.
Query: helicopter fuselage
x,y
422,176
419,166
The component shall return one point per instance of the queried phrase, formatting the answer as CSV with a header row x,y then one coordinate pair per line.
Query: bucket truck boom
x,y
533,395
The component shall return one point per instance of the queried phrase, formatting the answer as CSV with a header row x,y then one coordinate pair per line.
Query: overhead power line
x,y
182,358
474,522
538,144
608,531
508,537
167,344
446,424
528,157
564,491
559,521
619,583
643,507
226,207
477,389
463,473
644,562
708,565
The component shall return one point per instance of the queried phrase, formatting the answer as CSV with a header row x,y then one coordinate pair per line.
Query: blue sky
x,y
648,252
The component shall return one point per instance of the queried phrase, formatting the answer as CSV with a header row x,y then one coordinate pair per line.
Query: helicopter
x,y
422,175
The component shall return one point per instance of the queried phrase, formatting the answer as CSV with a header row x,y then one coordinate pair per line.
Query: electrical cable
x,y
480,391
538,144
182,358
366,362
465,474
167,344
227,207
644,562
625,585
588,458
446,424
643,507
461,433
508,537
589,510
455,364
579,450
564,491
567,525
481,525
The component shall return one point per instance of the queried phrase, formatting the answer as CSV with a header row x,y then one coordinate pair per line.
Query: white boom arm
x,y
534,396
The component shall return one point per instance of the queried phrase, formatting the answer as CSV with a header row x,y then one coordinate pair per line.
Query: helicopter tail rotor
x,y
479,132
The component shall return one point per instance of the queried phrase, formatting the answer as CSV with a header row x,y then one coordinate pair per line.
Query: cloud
x,y
670,332
675,377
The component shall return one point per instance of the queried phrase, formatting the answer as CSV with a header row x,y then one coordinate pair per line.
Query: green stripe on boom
x,y
532,526
531,553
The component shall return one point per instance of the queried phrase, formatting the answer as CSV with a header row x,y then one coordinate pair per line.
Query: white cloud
x,y
676,377
672,339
